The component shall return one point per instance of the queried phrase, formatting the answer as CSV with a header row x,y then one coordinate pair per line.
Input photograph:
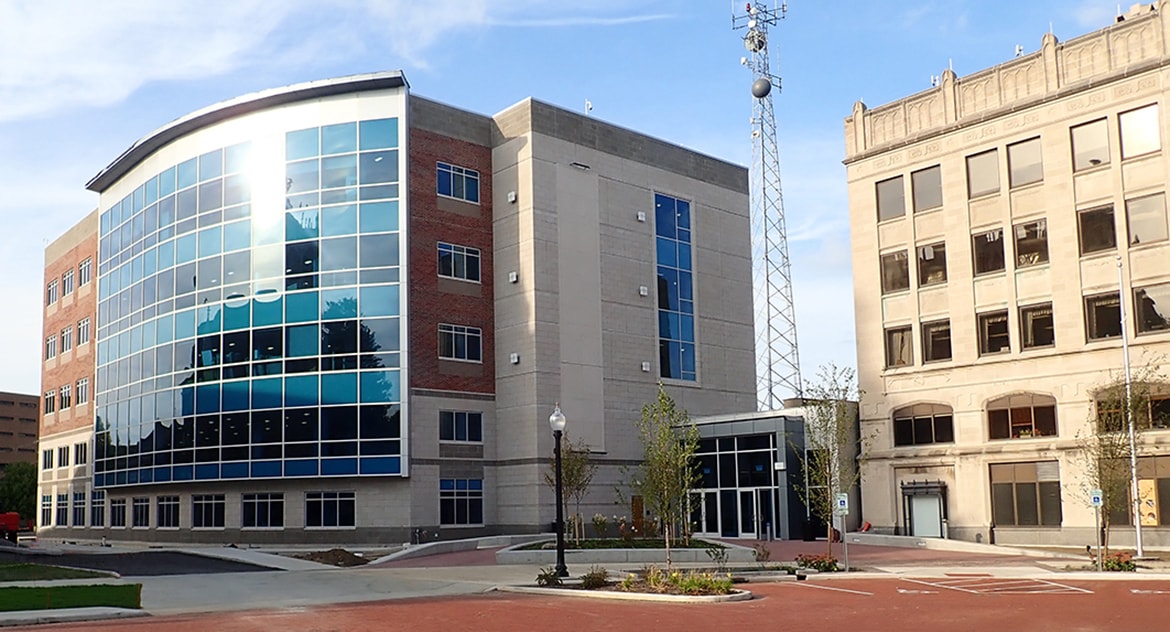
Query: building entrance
x,y
738,498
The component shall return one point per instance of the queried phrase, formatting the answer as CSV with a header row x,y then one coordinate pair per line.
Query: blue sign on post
x,y
1096,498
842,508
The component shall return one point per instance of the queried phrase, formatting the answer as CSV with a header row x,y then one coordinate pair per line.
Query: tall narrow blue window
x,y
676,301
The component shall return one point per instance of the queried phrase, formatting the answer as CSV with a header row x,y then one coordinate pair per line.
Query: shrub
x,y
548,577
762,553
1119,561
597,577
719,557
600,525
656,580
821,563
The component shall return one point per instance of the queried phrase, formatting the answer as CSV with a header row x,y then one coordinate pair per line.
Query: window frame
x,y
272,506
469,498
82,392
976,251
140,512
1133,239
906,423
467,418
1082,232
455,172
928,340
1027,326
1091,317
167,512
1039,164
890,192
67,282
51,293
1142,134
928,272
469,333
208,511
51,347
1139,293
983,320
339,498
85,272
458,253
67,339
1011,425
77,507
1000,482
97,508
928,186
907,332
979,159
1041,229
897,257
83,331
1084,160
117,513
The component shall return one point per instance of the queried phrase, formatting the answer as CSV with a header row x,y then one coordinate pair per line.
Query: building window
x,y
932,264
1139,131
65,396
460,501
207,511
263,511
895,272
82,391
457,342
97,508
458,182
168,512
1031,243
891,199
117,513
46,510
82,331
1096,229
927,186
1102,316
993,333
1025,494
460,426
1022,416
1146,219
676,299
988,250
67,283
1024,163
1036,326
47,459
62,510
85,272
983,173
899,347
63,456
140,513
66,339
936,341
50,404
79,509
458,262
51,292
1152,305
51,347
330,510
923,424
80,453
1090,144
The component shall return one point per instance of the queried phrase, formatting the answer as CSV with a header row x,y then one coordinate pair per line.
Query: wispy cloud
x,y
581,20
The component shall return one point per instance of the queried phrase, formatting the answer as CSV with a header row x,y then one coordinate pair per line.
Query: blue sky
x,y
80,81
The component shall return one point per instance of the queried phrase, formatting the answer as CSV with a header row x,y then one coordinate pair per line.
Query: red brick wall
x,y
79,362
430,305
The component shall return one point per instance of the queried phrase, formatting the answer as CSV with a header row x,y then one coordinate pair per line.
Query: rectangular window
x,y
458,182
1146,219
62,510
63,456
97,508
895,272
936,341
46,510
79,509
263,511
458,262
47,459
330,510
899,347
140,513
927,186
168,512
460,426
80,453
993,333
1036,327
50,404
932,264
1152,307
1090,145
1024,163
67,283
983,173
891,199
51,292
675,288
988,251
1026,494
118,513
923,430
82,391
460,501
1031,243
1096,229
1140,131
82,331
66,339
457,342
51,347
85,272
65,396
1102,316
207,511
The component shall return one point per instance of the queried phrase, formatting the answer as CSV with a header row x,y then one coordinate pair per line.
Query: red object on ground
x,y
9,525
865,526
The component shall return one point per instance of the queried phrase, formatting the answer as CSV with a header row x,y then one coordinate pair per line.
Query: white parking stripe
x,y
808,585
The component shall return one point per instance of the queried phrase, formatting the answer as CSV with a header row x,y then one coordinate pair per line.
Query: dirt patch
x,y
334,557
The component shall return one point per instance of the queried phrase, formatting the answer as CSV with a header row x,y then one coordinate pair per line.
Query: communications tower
x,y
777,358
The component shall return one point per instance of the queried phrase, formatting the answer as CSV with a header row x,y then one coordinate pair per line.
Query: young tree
x,y
577,470
832,446
18,489
667,472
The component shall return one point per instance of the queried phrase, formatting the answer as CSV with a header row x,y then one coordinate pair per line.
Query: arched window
x,y
1150,403
1022,416
923,424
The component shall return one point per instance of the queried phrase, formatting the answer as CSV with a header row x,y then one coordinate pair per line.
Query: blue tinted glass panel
x,y
266,393
664,216
301,340
183,473
165,329
338,139
302,176
207,398
234,470
206,472
340,303
684,256
379,166
339,220
151,187
185,249
338,467
380,386
235,158
237,236
166,254
338,171
301,224
684,214
235,395
379,217
166,182
210,241
379,134
381,465
301,307
301,144
379,300
211,165
339,388
265,469
185,324
300,390
444,182
379,250
667,252
300,467
188,173
267,312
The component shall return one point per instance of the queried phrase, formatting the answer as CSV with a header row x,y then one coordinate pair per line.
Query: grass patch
x,y
39,572
49,597
617,543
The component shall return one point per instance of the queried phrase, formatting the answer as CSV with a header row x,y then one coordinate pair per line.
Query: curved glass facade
x,y
240,340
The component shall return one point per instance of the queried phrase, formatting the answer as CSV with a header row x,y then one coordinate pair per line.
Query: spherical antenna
x,y
761,88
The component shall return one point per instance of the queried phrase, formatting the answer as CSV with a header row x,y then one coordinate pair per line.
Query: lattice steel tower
x,y
777,358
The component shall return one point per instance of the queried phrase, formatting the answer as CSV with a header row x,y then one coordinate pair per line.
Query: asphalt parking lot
x,y
136,563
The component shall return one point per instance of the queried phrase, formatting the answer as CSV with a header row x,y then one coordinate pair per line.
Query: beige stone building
x,y
1009,228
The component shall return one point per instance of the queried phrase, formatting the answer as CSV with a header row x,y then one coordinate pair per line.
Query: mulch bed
x,y
334,557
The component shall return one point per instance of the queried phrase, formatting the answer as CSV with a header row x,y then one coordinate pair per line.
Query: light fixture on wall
x,y
514,358
513,276
641,216
643,290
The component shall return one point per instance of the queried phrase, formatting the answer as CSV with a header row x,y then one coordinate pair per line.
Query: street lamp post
x,y
1133,490
557,421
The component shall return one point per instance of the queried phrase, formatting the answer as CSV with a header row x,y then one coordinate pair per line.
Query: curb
x,y
738,595
67,615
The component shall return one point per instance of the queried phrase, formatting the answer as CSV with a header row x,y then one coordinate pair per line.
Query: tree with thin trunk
x,y
577,471
832,445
